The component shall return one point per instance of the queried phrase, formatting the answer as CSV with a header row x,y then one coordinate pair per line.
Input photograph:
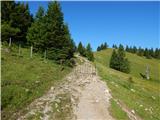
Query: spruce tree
x,y
157,53
114,61
134,49
140,51
118,60
98,48
16,19
58,40
81,49
146,53
36,33
49,32
89,53
127,48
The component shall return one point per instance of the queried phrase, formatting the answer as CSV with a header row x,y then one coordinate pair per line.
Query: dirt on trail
x,y
83,96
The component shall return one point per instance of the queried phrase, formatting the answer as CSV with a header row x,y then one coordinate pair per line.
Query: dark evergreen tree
x,y
36,33
114,61
22,19
58,41
8,32
81,49
146,53
118,60
98,48
127,48
140,51
68,42
134,49
49,32
151,52
105,45
102,46
130,49
89,53
15,16
114,46
7,8
157,53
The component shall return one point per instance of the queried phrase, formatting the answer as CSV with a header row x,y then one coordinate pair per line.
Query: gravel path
x,y
83,96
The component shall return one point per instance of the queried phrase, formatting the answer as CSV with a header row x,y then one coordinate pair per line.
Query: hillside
x,y
138,64
137,94
25,79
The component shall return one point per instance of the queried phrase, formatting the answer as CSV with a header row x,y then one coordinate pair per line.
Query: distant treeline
x,y
103,46
148,53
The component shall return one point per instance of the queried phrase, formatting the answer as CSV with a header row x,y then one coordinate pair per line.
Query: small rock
x,y
97,101
133,111
58,110
67,106
56,105
52,88
106,91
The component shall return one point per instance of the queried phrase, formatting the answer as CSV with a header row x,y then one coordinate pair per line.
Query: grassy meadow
x,y
138,94
25,79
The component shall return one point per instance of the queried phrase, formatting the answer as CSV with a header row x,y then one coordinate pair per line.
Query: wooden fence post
x,y
10,42
147,73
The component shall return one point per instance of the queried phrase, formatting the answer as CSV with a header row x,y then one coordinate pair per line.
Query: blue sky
x,y
128,23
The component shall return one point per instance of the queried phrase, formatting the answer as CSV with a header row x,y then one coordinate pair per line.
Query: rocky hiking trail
x,y
82,96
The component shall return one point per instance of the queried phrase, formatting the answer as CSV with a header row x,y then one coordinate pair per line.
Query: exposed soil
x,y
82,96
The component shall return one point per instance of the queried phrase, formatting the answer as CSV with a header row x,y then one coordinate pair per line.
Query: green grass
x,y
25,79
138,64
140,94
117,111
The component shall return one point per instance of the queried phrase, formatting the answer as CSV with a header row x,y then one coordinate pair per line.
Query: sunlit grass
x,y
143,96
25,79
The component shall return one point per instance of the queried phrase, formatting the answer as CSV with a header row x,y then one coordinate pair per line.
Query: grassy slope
x,y
25,79
145,99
